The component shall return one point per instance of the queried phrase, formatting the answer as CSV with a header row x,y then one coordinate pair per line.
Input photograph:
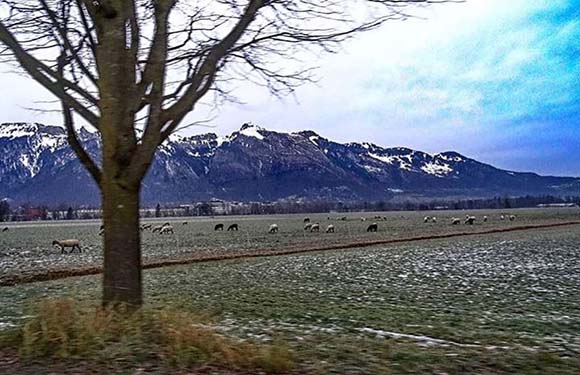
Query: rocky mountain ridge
x,y
256,164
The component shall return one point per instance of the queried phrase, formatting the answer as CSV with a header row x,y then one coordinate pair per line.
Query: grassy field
x,y
25,249
499,303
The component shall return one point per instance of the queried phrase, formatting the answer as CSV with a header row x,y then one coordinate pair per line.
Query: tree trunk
x,y
120,191
122,243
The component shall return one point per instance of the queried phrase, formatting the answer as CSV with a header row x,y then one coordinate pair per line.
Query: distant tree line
x,y
415,205
28,212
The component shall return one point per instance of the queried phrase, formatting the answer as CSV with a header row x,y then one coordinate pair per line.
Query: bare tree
x,y
133,70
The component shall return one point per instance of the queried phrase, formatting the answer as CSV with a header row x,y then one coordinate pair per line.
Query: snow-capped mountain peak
x,y
24,129
252,131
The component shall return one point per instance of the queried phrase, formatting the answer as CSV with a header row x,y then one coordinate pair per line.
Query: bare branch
x,y
42,74
72,138
205,76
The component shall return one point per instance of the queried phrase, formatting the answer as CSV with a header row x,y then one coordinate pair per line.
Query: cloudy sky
x,y
496,80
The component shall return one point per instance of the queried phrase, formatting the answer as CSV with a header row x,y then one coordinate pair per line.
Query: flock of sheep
x,y
167,228
469,220
308,226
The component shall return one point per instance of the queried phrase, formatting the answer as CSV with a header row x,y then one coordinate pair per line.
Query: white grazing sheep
x,y
434,219
330,229
5,229
426,219
307,226
273,228
512,217
157,228
363,219
502,218
166,229
485,219
72,243
315,227
455,221
469,220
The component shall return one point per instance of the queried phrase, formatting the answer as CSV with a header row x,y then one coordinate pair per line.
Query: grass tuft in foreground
x,y
64,329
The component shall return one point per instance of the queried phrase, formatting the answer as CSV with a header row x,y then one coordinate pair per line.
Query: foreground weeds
x,y
62,329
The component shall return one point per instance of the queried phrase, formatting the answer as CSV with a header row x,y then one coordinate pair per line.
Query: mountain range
x,y
255,164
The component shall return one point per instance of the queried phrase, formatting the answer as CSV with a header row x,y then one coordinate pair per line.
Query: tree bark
x,y
122,243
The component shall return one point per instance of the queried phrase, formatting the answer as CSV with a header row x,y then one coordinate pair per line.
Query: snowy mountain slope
x,y
36,165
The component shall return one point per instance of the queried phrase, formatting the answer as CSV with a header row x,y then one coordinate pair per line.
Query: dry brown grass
x,y
64,329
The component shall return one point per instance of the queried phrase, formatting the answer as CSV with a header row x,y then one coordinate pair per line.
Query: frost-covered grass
x,y
26,247
502,303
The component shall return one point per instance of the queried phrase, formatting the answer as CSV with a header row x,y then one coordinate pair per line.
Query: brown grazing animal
x,y
373,227
72,243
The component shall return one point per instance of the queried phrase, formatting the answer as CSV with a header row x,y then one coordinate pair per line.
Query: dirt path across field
x,y
54,275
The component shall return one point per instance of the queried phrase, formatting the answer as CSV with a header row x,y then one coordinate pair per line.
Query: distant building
x,y
557,205
33,213
29,213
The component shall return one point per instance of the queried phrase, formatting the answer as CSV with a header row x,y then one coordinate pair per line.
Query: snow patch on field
x,y
430,341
